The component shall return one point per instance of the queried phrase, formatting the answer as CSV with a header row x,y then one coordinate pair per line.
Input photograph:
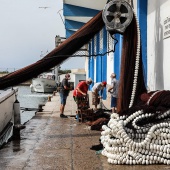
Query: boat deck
x,y
51,143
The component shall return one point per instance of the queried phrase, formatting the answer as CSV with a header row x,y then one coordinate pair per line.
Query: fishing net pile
x,y
140,135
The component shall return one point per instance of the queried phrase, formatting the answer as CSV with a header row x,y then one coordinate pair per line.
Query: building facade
x,y
104,57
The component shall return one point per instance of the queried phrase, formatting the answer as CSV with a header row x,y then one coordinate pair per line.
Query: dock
x,y
52,143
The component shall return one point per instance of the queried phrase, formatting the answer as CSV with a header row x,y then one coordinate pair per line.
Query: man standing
x,y
98,87
64,92
114,92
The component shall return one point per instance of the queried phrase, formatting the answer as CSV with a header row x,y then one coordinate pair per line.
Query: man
x,y
114,92
80,94
82,88
64,92
98,87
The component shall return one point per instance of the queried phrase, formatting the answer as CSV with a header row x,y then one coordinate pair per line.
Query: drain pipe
x,y
17,120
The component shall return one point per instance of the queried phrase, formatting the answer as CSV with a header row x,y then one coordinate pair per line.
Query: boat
x,y
7,100
44,83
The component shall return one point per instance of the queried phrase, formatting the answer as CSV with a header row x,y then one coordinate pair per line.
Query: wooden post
x,y
49,98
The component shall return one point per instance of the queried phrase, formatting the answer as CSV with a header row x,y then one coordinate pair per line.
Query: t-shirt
x,y
63,90
97,86
82,86
115,85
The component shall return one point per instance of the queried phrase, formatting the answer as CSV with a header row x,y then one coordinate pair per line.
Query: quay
x,y
51,143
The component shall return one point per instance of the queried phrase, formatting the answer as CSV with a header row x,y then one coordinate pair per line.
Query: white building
x,y
154,21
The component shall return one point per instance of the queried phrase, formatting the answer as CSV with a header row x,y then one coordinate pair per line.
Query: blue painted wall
x,y
91,62
104,61
69,24
142,16
98,61
117,55
69,33
71,10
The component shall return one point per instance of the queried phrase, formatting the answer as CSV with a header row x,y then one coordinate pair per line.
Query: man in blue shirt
x,y
114,92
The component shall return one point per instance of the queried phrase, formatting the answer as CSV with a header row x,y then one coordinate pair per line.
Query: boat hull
x,y
42,85
7,99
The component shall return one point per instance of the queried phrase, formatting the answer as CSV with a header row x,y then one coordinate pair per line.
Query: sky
x,y
28,31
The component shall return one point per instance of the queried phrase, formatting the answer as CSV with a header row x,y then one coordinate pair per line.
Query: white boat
x,y
7,99
44,83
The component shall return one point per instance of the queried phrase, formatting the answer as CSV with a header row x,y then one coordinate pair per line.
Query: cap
x,y
104,83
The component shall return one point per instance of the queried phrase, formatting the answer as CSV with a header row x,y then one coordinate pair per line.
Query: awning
x,y
57,56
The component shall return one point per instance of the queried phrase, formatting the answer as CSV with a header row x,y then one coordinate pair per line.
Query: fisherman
x,y
98,87
64,92
114,92
80,92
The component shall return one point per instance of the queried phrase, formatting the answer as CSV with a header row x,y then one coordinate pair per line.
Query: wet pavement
x,y
51,143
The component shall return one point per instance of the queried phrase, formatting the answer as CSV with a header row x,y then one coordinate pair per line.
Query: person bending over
x,y
98,87
80,92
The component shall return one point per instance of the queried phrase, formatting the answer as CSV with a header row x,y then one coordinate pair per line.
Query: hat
x,y
104,83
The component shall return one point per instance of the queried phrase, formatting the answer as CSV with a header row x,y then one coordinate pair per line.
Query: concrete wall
x,y
158,46
78,78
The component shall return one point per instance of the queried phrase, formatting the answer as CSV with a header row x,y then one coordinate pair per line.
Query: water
x,y
29,100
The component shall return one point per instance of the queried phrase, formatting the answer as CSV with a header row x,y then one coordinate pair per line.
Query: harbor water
x,y
29,102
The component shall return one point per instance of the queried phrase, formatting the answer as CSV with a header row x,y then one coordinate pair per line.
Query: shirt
x,y
97,86
82,86
115,85
63,90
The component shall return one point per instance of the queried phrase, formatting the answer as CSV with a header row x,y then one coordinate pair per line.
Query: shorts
x,y
82,102
113,101
63,98
95,99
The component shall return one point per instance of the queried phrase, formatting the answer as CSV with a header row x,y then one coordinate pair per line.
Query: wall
x,y
79,77
158,47
74,77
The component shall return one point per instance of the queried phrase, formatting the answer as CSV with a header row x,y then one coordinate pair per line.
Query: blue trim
x,y
70,24
104,61
89,63
71,10
117,55
142,15
98,61
91,70
69,33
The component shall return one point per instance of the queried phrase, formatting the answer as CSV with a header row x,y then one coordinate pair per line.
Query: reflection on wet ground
x,y
52,143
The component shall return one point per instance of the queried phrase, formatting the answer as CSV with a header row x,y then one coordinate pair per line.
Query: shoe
x,y
63,116
97,147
